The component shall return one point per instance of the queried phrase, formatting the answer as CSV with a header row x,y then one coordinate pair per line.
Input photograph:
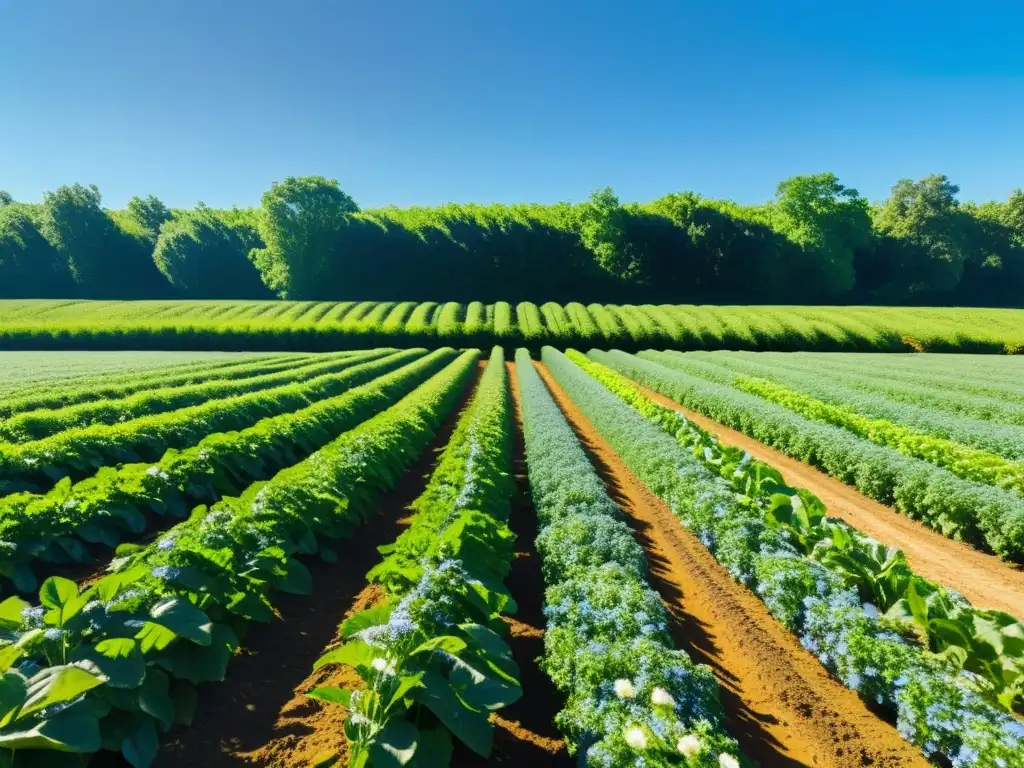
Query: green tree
x,y
150,213
300,222
5,198
830,222
105,261
204,258
926,238
602,227
29,266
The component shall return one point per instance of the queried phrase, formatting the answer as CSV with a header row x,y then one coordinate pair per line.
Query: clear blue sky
x,y
416,102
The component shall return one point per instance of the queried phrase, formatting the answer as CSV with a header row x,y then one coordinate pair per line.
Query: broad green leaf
x,y
119,660
64,733
185,697
8,655
297,579
371,617
201,664
354,653
435,748
54,685
183,618
155,699
61,596
447,643
395,746
10,612
141,744
471,727
332,694
13,691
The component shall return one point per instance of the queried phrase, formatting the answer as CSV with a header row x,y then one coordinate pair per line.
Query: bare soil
x,y
984,579
779,701
524,732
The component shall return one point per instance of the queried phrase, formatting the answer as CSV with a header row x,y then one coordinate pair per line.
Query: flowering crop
x,y
633,700
437,663
762,547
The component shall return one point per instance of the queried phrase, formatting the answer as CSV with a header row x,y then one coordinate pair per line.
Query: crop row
x,y
977,513
963,461
320,326
44,371
78,452
632,698
987,643
957,373
763,532
56,526
998,408
1006,440
431,655
60,394
169,616
42,423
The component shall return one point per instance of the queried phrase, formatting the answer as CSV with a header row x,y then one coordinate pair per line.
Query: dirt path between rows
x,y
260,715
984,579
780,703
525,733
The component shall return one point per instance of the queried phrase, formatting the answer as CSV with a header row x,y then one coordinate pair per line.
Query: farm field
x,y
323,326
431,556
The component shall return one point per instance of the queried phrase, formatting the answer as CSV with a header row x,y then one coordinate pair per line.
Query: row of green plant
x,y
77,453
956,374
44,422
170,615
984,642
980,514
996,408
632,698
1005,440
431,655
59,391
317,326
962,461
64,524
763,532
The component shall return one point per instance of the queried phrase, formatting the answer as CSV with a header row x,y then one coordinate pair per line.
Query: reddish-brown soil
x,y
524,732
260,715
780,703
984,579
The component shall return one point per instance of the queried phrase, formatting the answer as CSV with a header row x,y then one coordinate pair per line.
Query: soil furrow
x,y
260,715
524,732
780,703
984,579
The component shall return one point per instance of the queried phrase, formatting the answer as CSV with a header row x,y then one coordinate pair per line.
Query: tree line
x,y
816,241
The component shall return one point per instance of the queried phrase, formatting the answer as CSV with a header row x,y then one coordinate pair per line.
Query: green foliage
x,y
829,222
443,579
150,213
104,260
29,266
300,221
204,258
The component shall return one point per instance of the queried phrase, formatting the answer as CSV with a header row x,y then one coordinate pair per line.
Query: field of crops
x,y
424,557
323,326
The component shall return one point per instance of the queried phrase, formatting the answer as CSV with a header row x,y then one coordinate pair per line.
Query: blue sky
x,y
479,100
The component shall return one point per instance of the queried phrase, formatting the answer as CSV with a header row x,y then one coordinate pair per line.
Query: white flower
x,y
689,745
870,610
624,689
662,698
636,738
379,664
728,761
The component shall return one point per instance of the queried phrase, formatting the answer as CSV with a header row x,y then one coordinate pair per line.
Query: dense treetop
x,y
816,241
